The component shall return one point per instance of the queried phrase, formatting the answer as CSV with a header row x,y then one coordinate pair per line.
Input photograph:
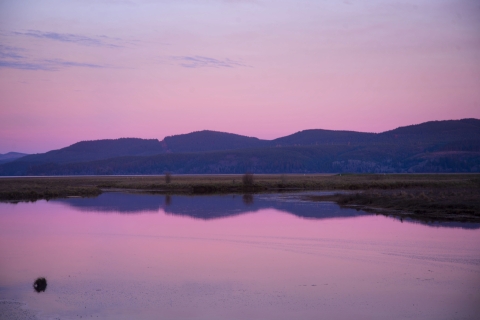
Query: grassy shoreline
x,y
457,205
446,197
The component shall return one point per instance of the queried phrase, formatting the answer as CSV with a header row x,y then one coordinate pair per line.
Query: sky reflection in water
x,y
232,257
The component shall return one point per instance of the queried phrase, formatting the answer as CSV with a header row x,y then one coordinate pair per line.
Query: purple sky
x,y
94,69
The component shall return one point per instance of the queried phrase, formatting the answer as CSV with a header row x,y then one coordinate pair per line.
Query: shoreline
x,y
426,197
407,205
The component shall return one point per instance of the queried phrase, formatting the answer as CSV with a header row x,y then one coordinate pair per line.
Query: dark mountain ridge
x,y
317,137
436,146
206,140
11,156
98,150
447,128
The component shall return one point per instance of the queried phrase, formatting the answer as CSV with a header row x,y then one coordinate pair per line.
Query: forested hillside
x,y
438,146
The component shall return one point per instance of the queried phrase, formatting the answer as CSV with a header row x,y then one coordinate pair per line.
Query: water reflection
x,y
269,264
208,206
168,200
248,199
441,224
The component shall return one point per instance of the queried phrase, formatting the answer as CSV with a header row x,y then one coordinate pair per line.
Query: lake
x,y
269,256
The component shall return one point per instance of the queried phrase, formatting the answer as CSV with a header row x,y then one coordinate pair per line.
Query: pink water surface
x,y
266,264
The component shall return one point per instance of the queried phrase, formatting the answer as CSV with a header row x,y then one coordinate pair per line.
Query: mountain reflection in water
x,y
144,256
208,207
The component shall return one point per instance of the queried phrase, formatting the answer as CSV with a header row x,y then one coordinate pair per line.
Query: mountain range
x,y
435,146
10,156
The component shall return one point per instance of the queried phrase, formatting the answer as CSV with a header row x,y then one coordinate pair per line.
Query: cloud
x,y
46,65
7,52
23,65
19,58
62,63
13,57
99,41
199,62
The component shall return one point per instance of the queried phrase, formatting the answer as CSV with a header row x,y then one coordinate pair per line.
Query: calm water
x,y
131,256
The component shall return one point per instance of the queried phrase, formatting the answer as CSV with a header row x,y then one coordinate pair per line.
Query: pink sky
x,y
85,70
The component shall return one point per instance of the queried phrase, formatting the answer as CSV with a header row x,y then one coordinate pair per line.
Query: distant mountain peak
x,y
208,140
464,127
11,156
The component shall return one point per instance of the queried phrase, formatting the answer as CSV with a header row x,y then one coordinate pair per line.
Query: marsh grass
x,y
32,189
446,204
455,195
452,197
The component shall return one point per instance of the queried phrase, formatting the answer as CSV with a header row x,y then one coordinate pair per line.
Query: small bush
x,y
247,179
168,177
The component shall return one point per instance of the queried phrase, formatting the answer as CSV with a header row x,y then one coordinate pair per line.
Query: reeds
x,y
31,189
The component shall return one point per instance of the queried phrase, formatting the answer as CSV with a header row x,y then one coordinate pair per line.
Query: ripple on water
x,y
14,310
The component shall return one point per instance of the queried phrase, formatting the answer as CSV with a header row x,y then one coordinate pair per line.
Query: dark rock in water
x,y
40,285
